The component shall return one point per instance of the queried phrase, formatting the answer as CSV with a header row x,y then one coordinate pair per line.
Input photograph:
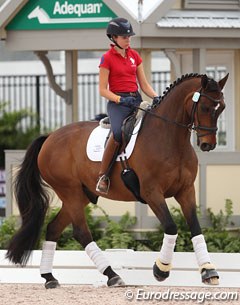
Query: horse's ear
x,y
204,81
222,82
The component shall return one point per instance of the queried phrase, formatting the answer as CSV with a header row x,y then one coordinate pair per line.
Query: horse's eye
x,y
204,108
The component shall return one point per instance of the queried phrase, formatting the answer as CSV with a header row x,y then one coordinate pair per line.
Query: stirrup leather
x,y
103,184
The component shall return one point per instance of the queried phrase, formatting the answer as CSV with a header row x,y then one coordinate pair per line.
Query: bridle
x,y
191,126
196,98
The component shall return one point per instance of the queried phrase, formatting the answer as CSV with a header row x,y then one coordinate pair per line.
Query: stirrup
x,y
103,188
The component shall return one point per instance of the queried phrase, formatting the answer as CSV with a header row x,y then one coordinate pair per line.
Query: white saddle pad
x,y
96,141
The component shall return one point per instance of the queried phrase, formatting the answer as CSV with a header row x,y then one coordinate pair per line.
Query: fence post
x,y
38,101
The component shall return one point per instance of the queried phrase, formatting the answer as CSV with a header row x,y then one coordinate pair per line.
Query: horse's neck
x,y
173,106
170,121
172,112
166,131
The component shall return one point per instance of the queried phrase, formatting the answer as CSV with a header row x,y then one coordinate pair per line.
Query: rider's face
x,y
123,41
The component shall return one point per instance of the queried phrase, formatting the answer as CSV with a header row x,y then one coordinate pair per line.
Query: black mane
x,y
174,84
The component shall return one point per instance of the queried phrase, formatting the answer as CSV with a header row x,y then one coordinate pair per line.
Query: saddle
x,y
128,124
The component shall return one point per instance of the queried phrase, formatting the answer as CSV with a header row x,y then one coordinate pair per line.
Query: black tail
x,y
32,202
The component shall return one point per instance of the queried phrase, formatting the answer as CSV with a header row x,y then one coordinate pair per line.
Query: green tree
x,y
12,136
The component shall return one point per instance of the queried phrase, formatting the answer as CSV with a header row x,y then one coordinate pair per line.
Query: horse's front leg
x,y
207,269
163,264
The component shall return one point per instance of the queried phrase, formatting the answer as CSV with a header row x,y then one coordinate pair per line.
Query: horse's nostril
x,y
207,147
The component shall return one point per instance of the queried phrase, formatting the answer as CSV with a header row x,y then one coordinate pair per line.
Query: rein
x,y
148,111
196,97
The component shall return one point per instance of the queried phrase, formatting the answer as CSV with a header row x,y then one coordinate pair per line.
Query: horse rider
x,y
120,72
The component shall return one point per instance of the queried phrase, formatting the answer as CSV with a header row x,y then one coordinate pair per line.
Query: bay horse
x,y
163,160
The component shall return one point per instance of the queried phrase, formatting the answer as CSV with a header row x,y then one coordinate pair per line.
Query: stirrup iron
x,y
105,179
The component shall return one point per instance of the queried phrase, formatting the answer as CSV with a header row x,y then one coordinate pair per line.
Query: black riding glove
x,y
128,101
156,100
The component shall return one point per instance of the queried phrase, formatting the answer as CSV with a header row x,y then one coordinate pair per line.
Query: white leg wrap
x,y
48,251
96,255
167,249
200,249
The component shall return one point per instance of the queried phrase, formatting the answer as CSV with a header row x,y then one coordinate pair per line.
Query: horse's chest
x,y
181,178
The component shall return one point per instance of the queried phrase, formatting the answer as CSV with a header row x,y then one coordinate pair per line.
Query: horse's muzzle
x,y
207,146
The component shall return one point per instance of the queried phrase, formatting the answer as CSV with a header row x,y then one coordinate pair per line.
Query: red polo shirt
x,y
122,76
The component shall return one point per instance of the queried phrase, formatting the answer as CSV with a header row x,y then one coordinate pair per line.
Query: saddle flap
x,y
96,143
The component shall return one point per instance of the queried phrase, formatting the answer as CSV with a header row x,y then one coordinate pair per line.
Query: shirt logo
x,y
132,60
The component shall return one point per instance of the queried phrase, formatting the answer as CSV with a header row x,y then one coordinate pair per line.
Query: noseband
x,y
196,98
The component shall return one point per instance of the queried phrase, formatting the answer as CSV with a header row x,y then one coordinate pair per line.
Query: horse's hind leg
x,y
84,237
76,205
207,269
54,230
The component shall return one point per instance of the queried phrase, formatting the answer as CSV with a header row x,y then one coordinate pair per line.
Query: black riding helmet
x,y
119,27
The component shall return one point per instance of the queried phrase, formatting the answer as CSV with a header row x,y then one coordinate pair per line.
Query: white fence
x,y
135,268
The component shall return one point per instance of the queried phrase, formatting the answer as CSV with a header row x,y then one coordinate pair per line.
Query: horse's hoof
x,y
115,281
52,284
160,275
211,281
210,277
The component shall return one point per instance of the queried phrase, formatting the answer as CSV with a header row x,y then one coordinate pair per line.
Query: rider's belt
x,y
134,94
